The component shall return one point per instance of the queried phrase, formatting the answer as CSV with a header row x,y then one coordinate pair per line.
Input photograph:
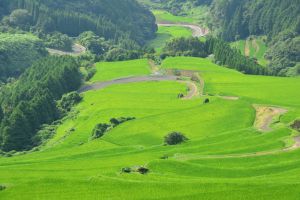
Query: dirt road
x,y
197,30
101,85
77,49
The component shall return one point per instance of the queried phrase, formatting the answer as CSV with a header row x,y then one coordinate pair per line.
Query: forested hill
x,y
241,18
112,19
277,19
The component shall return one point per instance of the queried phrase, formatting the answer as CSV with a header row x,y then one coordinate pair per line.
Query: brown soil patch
x,y
265,116
247,48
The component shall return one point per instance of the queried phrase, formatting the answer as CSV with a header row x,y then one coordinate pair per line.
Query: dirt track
x,y
101,85
197,30
77,49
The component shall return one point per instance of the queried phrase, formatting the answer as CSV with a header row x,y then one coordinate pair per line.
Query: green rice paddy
x,y
71,166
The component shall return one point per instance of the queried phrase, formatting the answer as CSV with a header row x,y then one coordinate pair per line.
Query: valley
x,y
116,101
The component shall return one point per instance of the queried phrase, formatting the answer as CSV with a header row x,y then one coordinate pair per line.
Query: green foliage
x,y
120,54
20,18
44,134
99,130
185,47
102,128
2,187
223,53
17,52
30,102
231,57
93,43
112,19
57,40
68,101
279,20
175,138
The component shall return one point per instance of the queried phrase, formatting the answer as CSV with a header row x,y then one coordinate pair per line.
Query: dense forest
x,y
30,102
111,19
18,51
279,20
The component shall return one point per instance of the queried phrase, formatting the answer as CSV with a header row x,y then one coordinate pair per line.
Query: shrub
x,y
143,170
68,101
296,125
126,170
99,130
206,101
2,187
175,138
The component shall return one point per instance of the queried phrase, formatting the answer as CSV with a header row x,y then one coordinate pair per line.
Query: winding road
x,y
197,30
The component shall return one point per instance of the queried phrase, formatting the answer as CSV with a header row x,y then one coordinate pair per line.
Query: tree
x,y
174,138
20,17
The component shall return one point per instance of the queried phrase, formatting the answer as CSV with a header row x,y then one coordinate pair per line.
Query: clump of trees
x,y
102,128
68,101
175,138
57,40
31,101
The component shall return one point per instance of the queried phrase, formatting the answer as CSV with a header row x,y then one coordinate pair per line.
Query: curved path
x,y
77,49
197,30
101,85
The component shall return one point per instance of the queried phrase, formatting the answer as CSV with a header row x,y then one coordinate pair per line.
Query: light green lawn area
x,y
112,70
70,166
164,34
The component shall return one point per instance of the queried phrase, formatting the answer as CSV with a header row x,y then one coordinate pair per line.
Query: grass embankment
x,y
71,166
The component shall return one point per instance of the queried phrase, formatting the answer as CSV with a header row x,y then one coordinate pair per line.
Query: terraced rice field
x,y
226,157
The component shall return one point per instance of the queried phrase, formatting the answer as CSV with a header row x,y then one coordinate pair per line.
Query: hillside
x,y
17,52
224,146
123,108
112,19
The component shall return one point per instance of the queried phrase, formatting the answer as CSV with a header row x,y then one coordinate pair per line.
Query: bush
x,y
126,170
99,130
2,187
206,101
68,101
296,125
175,138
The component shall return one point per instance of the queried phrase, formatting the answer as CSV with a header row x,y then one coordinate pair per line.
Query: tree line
x,y
222,51
111,19
30,102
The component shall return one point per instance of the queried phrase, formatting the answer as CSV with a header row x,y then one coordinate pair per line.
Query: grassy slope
x,y
256,49
166,33
111,70
72,167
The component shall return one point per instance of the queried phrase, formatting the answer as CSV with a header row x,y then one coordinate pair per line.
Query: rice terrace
x,y
149,100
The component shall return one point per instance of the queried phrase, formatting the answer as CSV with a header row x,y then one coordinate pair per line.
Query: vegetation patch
x,y
136,169
296,125
2,187
102,128
175,138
